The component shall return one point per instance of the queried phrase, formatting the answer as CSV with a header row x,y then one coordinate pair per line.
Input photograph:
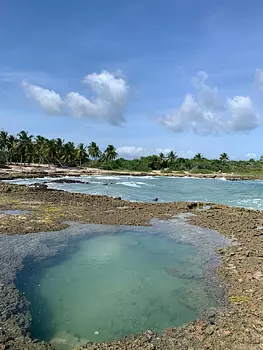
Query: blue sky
x,y
143,75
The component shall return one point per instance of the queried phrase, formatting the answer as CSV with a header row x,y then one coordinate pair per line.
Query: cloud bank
x,y
110,93
207,113
132,152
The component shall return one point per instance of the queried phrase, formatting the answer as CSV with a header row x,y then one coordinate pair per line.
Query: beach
x,y
39,170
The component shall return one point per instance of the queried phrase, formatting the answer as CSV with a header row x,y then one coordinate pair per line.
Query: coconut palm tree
x,y
171,156
12,148
68,154
198,156
81,154
162,159
24,145
224,157
3,143
110,153
161,156
3,140
50,151
94,151
39,148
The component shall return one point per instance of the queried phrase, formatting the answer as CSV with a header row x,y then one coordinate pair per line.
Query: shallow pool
x,y
116,281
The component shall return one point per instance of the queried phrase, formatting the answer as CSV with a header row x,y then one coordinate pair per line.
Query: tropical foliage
x,y
25,148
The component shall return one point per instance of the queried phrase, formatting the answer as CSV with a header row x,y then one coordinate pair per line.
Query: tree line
x,y
25,148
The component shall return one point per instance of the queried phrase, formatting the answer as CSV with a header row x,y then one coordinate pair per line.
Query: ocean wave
x,y
144,183
107,177
129,184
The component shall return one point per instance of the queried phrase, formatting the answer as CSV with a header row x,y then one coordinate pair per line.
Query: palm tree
x,y
81,153
3,140
3,143
198,156
162,159
24,145
50,150
68,153
161,156
171,156
39,147
11,147
110,153
224,157
94,150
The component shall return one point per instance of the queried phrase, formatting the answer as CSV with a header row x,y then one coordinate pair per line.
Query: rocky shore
x,y
16,172
239,327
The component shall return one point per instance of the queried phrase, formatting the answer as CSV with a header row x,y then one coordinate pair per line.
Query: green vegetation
x,y
25,148
238,299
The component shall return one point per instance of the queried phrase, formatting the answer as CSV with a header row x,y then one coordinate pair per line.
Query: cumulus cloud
x,y
110,93
205,113
49,100
186,154
243,114
251,156
208,97
132,152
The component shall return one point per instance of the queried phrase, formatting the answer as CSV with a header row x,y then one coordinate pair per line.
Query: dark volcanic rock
x,y
70,181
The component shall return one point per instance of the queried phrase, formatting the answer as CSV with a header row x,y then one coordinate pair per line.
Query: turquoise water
x,y
105,286
247,194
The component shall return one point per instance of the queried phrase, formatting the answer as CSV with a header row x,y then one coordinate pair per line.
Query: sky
x,y
146,76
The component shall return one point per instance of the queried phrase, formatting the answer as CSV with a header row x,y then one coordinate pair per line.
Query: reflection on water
x,y
111,284
15,212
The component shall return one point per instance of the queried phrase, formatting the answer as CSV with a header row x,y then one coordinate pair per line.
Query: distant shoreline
x,y
34,171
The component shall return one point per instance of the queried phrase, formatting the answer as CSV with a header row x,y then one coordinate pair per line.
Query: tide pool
x,y
97,283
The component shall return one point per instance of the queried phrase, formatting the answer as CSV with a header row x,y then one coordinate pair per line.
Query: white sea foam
x,y
129,184
144,184
108,177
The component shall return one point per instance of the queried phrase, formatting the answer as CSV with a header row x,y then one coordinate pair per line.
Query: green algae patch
x,y
238,299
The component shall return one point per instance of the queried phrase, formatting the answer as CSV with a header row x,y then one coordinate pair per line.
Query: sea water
x,y
107,284
247,194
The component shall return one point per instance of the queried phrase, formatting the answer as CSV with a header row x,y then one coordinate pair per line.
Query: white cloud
x,y
111,92
208,97
251,155
243,115
259,78
132,152
161,150
186,154
191,116
108,103
206,113
49,100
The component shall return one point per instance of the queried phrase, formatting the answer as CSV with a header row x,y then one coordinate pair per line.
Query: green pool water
x,y
109,285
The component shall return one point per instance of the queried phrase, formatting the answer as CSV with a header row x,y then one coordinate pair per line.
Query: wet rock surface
x,y
69,181
239,327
